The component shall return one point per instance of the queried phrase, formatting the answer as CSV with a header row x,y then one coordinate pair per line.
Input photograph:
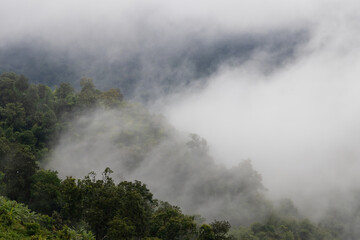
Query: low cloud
x,y
298,124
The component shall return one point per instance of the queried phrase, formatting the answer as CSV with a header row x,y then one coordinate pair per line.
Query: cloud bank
x,y
298,124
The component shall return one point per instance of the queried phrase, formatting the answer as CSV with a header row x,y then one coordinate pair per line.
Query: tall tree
x,y
18,172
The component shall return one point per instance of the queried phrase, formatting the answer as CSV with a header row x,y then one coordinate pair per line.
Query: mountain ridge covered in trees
x,y
32,119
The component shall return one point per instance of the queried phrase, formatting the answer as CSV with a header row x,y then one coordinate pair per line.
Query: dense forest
x,y
39,203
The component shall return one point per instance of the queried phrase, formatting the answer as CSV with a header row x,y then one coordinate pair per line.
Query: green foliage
x,y
13,116
45,192
65,99
123,211
19,169
136,205
64,90
71,200
283,229
4,151
120,229
18,222
21,83
217,230
8,93
221,229
206,233
33,115
99,202
111,98
168,222
87,98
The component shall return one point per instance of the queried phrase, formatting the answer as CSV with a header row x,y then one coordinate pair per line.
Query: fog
x,y
137,145
288,100
299,125
146,50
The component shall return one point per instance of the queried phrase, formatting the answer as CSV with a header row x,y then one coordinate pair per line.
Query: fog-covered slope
x,y
157,68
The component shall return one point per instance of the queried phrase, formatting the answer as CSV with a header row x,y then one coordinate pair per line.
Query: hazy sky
x,y
299,124
90,22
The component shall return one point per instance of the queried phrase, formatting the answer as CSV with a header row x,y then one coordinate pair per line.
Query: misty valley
x,y
89,164
180,120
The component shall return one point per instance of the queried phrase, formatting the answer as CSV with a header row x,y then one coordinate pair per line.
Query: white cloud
x,y
298,124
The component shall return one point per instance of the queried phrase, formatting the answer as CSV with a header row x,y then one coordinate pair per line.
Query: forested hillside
x,y
43,127
144,73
